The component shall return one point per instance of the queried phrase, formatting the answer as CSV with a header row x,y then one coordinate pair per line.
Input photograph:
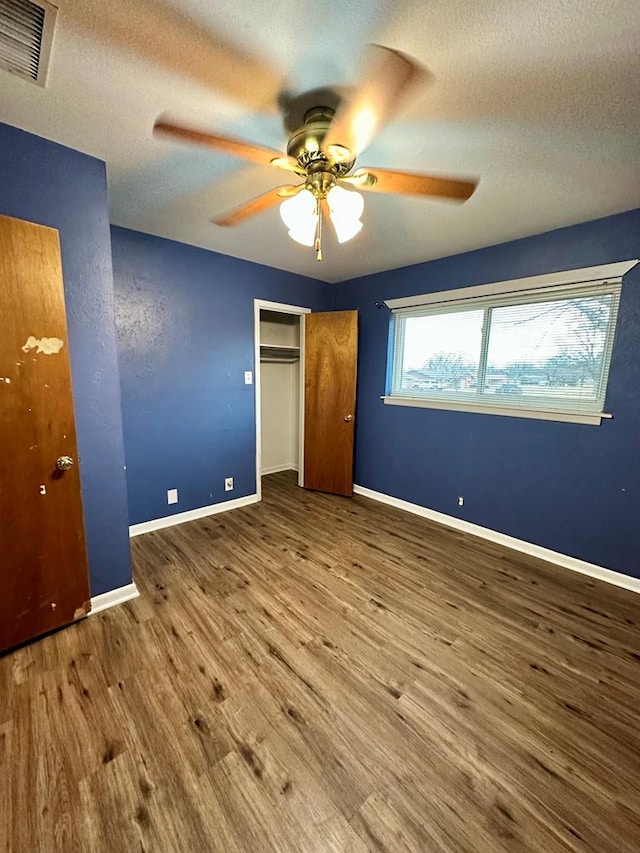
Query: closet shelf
x,y
279,353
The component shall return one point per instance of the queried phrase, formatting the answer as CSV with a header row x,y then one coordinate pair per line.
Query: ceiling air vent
x,y
26,32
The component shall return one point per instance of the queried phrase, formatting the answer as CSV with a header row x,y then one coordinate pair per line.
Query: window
x,y
531,348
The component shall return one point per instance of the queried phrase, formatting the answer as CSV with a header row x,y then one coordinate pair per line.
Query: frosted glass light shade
x,y
346,229
305,231
345,209
345,204
299,214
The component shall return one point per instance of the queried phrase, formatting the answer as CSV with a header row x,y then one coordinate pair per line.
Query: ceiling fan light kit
x,y
323,153
302,214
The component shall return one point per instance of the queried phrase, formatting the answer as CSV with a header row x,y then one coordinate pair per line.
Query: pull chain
x,y
319,234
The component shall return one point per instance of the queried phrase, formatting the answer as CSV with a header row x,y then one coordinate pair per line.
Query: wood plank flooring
x,y
319,674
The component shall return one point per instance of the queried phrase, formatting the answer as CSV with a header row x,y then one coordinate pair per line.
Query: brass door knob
x,y
348,418
63,463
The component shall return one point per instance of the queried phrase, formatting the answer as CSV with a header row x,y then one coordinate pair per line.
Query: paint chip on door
x,y
48,346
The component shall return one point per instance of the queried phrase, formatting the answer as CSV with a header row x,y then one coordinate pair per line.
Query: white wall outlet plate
x,y
460,500
172,496
228,484
248,377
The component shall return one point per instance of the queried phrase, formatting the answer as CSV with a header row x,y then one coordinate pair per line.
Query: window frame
x,y
503,294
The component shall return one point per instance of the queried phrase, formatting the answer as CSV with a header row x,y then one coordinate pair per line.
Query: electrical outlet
x,y
228,484
172,496
460,500
248,377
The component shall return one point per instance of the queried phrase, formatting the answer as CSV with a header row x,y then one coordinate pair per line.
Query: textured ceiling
x,y
541,100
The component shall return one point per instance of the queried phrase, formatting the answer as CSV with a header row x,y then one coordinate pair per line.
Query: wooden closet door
x,y
43,564
330,354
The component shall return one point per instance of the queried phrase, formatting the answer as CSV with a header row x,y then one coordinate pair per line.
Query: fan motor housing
x,y
305,144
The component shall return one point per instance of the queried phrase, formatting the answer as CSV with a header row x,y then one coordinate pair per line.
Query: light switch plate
x,y
248,377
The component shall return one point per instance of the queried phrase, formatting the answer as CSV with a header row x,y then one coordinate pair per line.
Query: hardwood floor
x,y
318,674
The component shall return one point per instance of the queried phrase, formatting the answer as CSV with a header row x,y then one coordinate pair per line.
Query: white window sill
x,y
452,406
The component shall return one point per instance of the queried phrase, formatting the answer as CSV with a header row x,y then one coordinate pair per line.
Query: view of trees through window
x,y
548,352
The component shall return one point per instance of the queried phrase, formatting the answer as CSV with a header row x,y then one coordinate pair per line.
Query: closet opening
x,y
279,384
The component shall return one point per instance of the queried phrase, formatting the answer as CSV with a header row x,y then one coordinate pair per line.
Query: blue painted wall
x,y
46,183
185,322
574,489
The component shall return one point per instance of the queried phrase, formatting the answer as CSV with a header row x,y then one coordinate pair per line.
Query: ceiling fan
x,y
323,151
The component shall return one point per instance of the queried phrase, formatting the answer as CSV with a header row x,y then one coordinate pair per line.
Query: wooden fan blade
x,y
178,41
389,78
227,145
409,183
256,205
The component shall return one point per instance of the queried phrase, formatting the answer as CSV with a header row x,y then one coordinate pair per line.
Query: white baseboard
x,y
113,597
275,469
190,515
572,563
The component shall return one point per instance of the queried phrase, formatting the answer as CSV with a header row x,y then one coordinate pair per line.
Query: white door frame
x,y
281,308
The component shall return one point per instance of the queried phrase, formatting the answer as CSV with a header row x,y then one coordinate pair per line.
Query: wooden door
x,y
330,355
43,564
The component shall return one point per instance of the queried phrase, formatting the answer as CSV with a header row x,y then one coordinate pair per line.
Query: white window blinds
x,y
539,349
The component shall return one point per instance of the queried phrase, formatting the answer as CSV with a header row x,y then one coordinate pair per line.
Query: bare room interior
x,y
319,420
